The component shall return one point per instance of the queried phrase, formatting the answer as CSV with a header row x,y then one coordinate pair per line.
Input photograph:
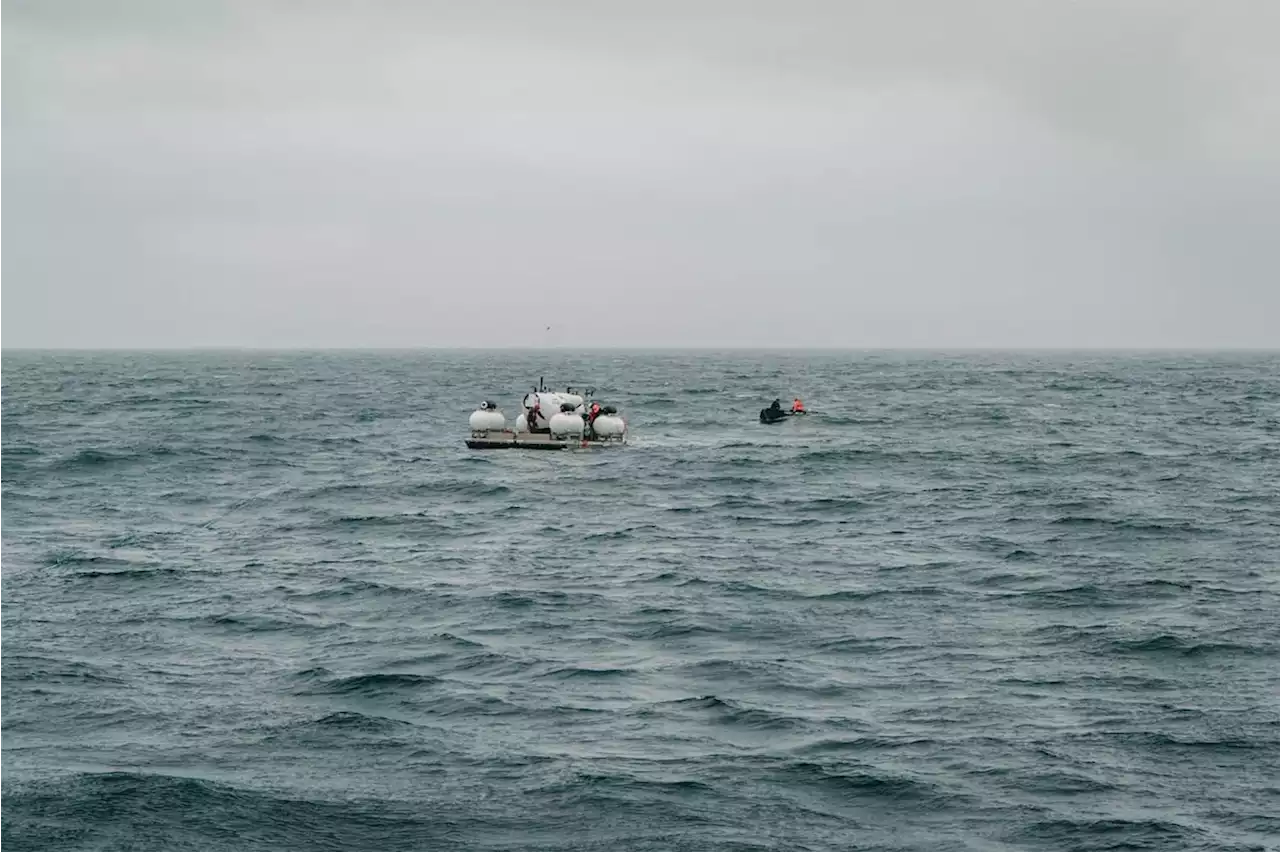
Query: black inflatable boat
x,y
777,415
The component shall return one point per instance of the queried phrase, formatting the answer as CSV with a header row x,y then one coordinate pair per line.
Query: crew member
x,y
797,407
591,417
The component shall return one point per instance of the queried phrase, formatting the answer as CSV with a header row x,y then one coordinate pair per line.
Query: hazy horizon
x,y
996,175
797,350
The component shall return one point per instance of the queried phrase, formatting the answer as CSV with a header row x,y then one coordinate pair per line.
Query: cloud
x,y
843,173
1151,73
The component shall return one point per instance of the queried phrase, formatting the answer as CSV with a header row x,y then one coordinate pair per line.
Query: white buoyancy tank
x,y
487,420
564,424
610,426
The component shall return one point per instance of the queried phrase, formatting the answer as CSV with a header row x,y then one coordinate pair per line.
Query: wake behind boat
x,y
548,420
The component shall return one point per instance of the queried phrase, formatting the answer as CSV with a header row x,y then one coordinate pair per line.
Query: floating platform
x,y
509,440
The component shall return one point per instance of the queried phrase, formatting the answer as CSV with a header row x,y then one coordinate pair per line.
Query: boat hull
x,y
767,418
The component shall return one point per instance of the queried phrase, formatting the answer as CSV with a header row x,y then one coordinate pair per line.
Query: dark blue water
x,y
981,602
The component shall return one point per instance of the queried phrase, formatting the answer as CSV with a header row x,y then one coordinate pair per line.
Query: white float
x,y
566,425
610,426
487,419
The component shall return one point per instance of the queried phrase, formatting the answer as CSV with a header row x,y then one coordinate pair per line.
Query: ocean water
x,y
974,602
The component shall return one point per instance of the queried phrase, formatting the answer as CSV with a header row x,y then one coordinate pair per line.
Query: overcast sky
x,y
850,174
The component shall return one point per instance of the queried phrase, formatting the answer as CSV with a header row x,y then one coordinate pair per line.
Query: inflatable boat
x,y
776,413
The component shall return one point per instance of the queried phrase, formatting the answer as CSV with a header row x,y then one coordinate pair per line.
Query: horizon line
x,y
621,349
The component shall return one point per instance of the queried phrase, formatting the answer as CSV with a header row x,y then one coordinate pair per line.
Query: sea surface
x,y
973,602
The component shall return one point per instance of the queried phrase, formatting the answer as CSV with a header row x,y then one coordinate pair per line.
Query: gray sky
x,y
861,174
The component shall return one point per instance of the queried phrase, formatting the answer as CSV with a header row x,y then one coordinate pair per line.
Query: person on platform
x,y
591,418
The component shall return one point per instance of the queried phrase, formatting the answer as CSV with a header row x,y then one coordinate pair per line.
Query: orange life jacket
x,y
797,406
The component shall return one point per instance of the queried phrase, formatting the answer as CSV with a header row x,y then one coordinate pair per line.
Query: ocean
x,y
975,601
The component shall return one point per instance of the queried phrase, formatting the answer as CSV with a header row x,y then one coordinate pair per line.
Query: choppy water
x,y
974,602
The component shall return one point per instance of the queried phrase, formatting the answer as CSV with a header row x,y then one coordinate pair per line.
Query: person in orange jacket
x,y
797,407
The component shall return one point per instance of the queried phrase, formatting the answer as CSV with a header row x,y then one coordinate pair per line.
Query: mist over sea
x,y
974,601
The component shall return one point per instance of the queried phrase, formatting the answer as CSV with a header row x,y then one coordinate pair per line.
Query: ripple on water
x,y
269,600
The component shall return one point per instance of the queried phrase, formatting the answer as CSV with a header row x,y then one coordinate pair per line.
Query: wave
x,y
45,670
488,663
464,488
587,673
864,744
524,599
458,641
1158,586
176,812
622,534
1127,682
853,781
675,629
832,505
417,521
665,577
860,645
16,461
348,720
726,712
1179,646
350,587
733,586
255,623
734,669
76,558
130,573
832,456
727,480
1163,740
1132,525
374,685
91,458
590,782
872,594
1113,833
1087,595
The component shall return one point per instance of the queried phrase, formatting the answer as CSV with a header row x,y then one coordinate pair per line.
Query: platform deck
x,y
508,440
